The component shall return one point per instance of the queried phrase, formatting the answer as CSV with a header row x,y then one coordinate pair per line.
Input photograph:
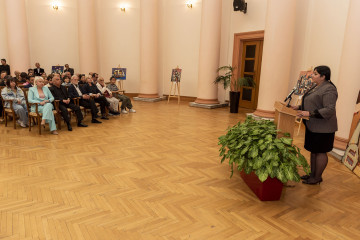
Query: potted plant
x,y
261,157
235,85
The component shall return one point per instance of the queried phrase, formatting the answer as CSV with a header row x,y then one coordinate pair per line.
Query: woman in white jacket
x,y
114,103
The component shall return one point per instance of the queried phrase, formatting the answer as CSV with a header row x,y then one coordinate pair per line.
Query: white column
x,y
17,34
277,55
88,52
209,55
149,49
348,84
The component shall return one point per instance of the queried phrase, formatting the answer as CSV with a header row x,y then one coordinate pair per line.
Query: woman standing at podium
x,y
318,103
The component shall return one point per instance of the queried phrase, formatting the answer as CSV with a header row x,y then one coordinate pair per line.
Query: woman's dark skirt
x,y
319,142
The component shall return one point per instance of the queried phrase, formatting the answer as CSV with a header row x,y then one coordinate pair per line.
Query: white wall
x,y
119,40
238,22
53,35
180,39
3,34
319,36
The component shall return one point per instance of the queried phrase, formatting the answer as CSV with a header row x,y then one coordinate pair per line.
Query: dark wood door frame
x,y
239,38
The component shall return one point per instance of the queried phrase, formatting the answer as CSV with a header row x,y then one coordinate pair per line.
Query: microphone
x,y
290,94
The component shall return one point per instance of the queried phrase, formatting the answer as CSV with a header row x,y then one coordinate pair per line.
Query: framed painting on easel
x,y
304,82
120,75
57,69
175,82
351,156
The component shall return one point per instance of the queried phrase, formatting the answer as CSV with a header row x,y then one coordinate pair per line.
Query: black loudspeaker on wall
x,y
240,5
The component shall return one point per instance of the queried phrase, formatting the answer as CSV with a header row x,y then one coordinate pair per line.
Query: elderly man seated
x,y
75,91
91,89
60,93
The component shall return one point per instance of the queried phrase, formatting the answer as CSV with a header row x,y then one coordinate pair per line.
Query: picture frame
x,y
119,73
176,75
57,69
304,82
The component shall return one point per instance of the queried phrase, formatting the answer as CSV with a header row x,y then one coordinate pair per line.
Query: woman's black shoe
x,y
104,117
312,181
305,177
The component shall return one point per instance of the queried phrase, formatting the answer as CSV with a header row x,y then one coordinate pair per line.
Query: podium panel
x,y
284,118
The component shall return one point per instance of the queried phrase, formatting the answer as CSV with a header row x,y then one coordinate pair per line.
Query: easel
x,y
176,89
299,120
120,84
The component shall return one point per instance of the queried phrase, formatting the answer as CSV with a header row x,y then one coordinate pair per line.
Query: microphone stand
x,y
289,98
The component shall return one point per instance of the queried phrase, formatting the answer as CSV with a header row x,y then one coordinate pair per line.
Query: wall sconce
x,y
189,4
55,6
122,9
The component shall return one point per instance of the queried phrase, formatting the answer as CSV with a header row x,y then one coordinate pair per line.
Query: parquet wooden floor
x,y
156,174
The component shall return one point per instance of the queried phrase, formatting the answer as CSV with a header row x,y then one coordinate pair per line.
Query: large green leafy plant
x,y
253,146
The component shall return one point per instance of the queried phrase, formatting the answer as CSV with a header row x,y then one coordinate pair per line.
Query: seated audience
x,y
126,101
60,93
48,81
91,89
67,74
75,91
12,92
31,72
95,77
42,95
82,79
66,81
17,74
114,103
5,67
29,82
2,78
23,77
44,76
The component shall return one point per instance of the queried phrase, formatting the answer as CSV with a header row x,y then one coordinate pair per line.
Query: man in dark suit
x,y
60,93
75,91
4,66
70,70
38,71
91,89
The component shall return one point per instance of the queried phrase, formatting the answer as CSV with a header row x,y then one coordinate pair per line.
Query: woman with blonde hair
x,y
42,95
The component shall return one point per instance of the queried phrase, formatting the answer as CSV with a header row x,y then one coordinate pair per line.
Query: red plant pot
x,y
269,190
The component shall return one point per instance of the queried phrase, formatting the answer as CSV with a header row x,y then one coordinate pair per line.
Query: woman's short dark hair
x,y
9,79
324,71
112,77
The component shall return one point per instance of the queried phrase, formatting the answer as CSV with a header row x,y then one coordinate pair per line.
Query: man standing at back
x,y
38,71
4,66
68,69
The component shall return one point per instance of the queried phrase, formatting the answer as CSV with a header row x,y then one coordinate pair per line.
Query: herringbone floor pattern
x,y
156,174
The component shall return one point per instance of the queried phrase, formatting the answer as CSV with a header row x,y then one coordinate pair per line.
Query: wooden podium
x,y
285,118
